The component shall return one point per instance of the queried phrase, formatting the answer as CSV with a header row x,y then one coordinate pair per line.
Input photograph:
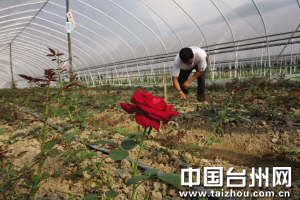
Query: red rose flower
x,y
149,110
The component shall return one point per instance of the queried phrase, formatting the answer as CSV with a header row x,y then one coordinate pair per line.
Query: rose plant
x,y
149,112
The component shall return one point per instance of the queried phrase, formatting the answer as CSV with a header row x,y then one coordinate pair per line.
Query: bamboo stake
x,y
69,44
165,87
12,73
112,76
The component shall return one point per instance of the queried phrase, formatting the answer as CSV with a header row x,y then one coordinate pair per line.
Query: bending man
x,y
185,61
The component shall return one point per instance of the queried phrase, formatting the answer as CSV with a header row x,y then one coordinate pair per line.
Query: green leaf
x,y
51,144
150,172
218,141
102,142
248,120
56,174
54,111
91,197
72,79
128,144
111,193
96,171
71,108
90,136
84,154
29,182
68,138
45,175
75,95
14,172
18,135
189,145
209,119
93,154
35,178
4,183
71,155
96,136
82,84
53,152
213,138
24,186
222,114
33,191
118,154
171,178
136,179
94,184
23,168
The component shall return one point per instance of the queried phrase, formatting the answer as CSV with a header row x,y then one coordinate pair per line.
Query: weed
x,y
292,153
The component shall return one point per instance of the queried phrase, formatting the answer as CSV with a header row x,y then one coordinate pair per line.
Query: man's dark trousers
x,y
184,75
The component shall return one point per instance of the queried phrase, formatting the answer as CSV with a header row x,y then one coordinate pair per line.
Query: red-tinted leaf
x,y
26,77
53,59
52,51
52,73
47,72
71,84
23,152
111,147
40,97
38,79
50,55
2,156
43,85
59,54
34,101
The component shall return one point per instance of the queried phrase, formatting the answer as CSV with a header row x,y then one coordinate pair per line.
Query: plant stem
x,y
11,182
137,161
41,162
91,159
59,78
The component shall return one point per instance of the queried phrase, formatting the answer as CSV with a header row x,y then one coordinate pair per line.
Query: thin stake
x,y
165,87
12,74
69,43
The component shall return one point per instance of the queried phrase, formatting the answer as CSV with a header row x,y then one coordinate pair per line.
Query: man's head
x,y
186,55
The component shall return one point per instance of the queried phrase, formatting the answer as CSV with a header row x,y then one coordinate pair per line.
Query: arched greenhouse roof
x,y
127,36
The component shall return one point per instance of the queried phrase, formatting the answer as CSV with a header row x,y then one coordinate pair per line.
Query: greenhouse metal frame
x,y
129,42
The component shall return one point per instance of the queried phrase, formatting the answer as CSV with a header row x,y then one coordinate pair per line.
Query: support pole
x,y
112,76
69,44
165,87
12,73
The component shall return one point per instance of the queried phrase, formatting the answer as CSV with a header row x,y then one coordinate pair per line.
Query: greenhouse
x,y
116,42
92,106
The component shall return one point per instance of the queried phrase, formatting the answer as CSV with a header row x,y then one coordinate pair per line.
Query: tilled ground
x,y
256,144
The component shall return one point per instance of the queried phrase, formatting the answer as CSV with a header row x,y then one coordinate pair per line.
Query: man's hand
x,y
185,85
182,96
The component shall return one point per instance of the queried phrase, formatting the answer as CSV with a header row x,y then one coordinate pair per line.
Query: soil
x,y
255,144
